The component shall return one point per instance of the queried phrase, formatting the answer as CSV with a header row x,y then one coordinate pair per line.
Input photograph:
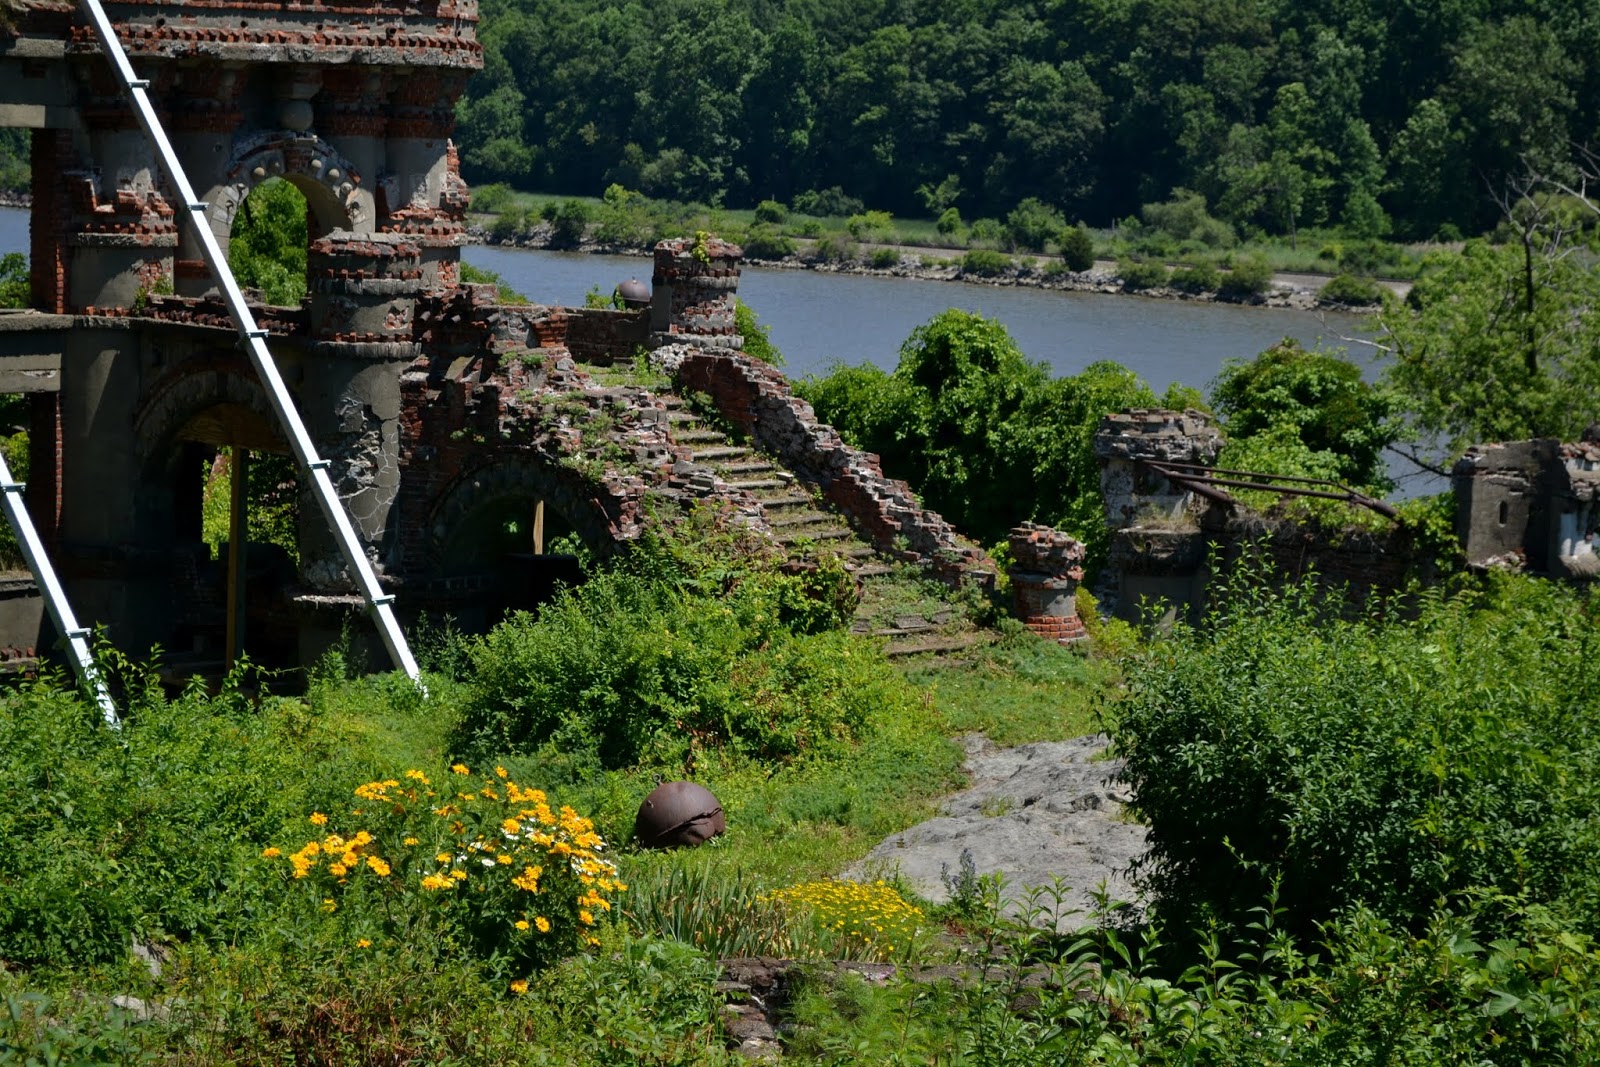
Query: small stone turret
x,y
1044,579
693,289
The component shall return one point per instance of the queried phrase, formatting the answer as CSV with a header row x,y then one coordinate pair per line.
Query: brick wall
x,y
51,154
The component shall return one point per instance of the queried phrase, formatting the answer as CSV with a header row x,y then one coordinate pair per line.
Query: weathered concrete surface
x,y
1035,814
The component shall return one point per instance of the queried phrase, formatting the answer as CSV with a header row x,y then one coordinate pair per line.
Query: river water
x,y
819,319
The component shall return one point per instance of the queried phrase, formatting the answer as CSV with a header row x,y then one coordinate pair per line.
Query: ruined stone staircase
x,y
914,615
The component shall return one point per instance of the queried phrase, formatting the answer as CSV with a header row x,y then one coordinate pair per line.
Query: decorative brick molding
x,y
756,398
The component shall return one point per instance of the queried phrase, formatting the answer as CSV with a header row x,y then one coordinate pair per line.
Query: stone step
x,y
752,484
698,437
707,455
784,502
754,466
791,520
938,646
873,570
827,534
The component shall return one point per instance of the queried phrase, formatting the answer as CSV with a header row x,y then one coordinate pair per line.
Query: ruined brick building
x,y
441,412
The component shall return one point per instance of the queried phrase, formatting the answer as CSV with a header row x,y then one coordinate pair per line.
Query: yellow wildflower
x,y
585,917
318,819
443,857
511,826
338,870
520,986
521,924
411,841
379,867
459,768
437,881
329,905
542,923
363,943
500,771
503,860
528,879
418,776
459,875
270,853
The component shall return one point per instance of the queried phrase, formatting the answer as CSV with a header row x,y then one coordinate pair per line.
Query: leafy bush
x,y
1385,762
764,242
633,668
267,248
15,287
1077,248
1351,290
569,221
108,834
884,259
495,198
772,212
756,334
1185,218
1317,401
828,203
987,230
624,218
1142,274
950,223
1250,277
832,248
871,226
508,225
1032,224
1197,278
986,262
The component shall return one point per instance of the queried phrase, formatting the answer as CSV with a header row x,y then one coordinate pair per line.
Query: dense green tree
x,y
267,248
986,437
1316,400
1499,343
15,288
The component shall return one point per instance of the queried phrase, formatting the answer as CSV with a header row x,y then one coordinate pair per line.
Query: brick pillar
x,y
50,155
1044,579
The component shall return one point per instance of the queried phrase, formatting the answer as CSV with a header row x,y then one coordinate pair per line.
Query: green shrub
x,y
871,226
884,259
1196,278
756,334
987,230
16,289
950,223
1141,274
1352,291
772,212
986,262
148,830
508,225
833,248
1250,277
633,668
569,221
495,198
827,203
764,242
1077,248
1386,762
1032,224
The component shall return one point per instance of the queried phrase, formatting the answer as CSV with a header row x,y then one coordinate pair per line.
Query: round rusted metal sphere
x,y
679,815
634,293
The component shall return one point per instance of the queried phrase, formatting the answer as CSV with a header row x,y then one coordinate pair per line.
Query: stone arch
x,y
227,388
335,196
509,479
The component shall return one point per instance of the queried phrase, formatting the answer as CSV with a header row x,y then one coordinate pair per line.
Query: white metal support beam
x,y
55,598
379,603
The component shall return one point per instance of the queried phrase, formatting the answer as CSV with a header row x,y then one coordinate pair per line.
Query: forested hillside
x,y
1399,116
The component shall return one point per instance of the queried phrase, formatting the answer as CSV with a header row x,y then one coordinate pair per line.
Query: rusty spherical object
x,y
679,815
634,293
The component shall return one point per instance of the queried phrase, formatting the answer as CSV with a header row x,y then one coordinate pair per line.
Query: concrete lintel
x,y
39,91
30,352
